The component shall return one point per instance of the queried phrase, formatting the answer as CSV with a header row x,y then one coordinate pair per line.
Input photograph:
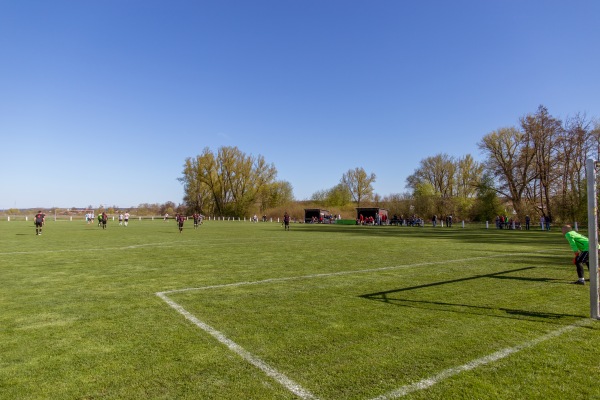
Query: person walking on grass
x,y
580,246
104,220
39,220
286,221
180,220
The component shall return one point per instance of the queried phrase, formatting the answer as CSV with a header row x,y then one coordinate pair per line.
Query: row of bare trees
x,y
535,169
539,167
443,185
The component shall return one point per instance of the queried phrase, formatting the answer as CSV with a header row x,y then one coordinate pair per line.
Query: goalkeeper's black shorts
x,y
583,258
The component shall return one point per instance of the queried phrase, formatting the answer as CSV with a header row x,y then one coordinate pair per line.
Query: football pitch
x,y
240,310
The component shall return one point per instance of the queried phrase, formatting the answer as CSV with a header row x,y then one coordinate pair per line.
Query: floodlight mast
x,y
591,166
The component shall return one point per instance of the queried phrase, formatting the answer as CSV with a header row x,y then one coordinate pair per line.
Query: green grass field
x,y
236,310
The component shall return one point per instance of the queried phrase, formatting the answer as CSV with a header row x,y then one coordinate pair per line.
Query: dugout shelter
x,y
312,214
372,212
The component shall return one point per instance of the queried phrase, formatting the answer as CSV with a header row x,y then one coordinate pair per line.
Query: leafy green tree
x,y
424,199
468,176
276,194
228,183
452,182
437,171
359,184
197,195
338,196
319,196
487,205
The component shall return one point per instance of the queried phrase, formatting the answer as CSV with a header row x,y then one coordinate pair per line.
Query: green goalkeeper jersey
x,y
577,241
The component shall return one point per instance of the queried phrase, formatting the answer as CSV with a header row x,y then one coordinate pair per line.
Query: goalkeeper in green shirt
x,y
580,246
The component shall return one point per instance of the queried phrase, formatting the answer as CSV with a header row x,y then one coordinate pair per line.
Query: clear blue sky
x,y
102,101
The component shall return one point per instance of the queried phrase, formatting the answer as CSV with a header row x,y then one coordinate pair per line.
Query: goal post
x,y
591,165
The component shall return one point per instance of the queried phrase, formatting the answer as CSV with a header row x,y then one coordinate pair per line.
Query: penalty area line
x,y
286,382
450,372
340,273
303,393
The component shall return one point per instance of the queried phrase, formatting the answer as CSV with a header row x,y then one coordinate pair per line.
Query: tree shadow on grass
x,y
388,297
470,235
497,312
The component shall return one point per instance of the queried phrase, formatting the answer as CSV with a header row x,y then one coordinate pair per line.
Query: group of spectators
x,y
323,219
415,220
378,219
503,222
448,220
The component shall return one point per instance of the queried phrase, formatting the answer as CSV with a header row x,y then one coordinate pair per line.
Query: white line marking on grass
x,y
403,391
327,274
239,350
210,242
132,246
431,381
